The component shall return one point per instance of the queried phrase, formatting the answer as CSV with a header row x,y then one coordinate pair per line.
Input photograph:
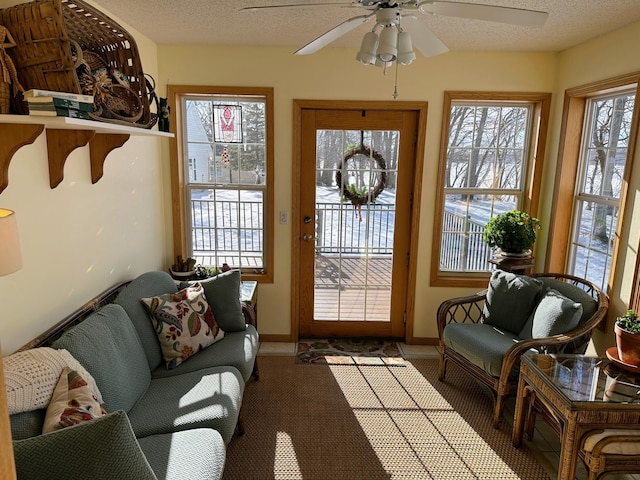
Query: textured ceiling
x,y
220,22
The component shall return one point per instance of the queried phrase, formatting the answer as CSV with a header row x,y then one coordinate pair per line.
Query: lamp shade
x,y
367,53
10,257
387,49
406,55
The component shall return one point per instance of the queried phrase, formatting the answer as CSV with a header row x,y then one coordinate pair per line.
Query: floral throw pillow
x,y
184,323
73,402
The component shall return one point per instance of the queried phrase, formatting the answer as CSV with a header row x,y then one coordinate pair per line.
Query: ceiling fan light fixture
x,y
406,55
368,49
388,46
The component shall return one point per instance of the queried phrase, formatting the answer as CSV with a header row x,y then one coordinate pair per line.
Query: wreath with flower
x,y
365,194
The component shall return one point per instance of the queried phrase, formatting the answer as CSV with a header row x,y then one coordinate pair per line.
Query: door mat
x,y
349,351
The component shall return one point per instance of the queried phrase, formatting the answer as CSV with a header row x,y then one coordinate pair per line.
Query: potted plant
x,y
183,269
513,232
627,330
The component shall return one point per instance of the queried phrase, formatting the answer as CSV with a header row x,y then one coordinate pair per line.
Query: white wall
x,y
78,239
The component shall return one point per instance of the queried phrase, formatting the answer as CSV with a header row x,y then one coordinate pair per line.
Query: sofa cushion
x,y
510,300
223,294
27,424
481,344
236,349
149,284
208,398
107,344
184,323
194,454
103,449
73,402
554,314
32,375
575,293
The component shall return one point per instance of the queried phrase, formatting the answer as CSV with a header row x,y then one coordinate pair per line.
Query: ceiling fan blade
x,y
427,43
333,34
492,13
294,5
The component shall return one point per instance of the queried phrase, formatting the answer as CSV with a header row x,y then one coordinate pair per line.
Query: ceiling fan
x,y
394,18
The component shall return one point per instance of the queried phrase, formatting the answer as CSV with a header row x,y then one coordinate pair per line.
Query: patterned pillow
x,y
73,402
184,323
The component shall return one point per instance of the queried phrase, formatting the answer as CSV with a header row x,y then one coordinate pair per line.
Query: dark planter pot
x,y
628,346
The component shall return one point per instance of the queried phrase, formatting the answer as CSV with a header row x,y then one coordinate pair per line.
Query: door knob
x,y
307,237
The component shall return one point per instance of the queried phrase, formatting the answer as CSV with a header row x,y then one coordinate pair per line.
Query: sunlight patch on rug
x,y
349,351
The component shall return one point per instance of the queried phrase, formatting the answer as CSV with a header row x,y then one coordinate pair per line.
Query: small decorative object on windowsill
x,y
626,353
183,269
364,194
8,72
163,121
512,234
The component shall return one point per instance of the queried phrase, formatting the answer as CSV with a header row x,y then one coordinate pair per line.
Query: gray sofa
x,y
167,423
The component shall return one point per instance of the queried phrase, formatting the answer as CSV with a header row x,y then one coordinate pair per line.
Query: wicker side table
x,y
572,393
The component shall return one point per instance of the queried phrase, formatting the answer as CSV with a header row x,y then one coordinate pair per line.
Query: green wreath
x,y
364,195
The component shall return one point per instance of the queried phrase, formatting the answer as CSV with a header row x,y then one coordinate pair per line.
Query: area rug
x,y
349,351
355,422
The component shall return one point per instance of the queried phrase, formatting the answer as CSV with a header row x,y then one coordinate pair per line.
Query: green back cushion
x,y
510,300
107,345
575,293
102,449
27,424
554,314
150,284
223,295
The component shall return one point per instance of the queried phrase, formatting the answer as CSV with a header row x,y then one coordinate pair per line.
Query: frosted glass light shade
x,y
367,53
10,256
406,55
387,48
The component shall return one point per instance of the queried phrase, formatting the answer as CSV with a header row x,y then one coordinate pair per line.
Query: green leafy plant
x,y
629,322
512,232
183,265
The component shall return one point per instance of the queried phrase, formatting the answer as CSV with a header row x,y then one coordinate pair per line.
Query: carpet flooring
x,y
349,351
351,422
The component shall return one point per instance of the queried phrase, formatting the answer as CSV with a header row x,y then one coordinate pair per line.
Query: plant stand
x,y
521,266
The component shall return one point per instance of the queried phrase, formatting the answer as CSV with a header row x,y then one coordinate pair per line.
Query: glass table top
x,y
588,379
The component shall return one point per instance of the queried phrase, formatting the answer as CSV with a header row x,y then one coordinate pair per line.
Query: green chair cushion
x,y
554,314
223,294
209,398
27,424
481,344
236,349
510,300
107,345
575,293
101,449
149,284
192,454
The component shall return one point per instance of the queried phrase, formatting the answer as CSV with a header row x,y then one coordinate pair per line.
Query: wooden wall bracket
x,y
99,147
13,138
60,144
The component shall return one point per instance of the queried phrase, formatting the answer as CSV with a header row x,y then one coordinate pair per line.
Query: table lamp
x,y
10,261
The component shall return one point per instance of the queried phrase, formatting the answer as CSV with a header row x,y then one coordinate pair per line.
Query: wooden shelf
x,y
64,135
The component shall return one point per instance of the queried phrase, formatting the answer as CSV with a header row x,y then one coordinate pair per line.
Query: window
x,y
224,189
487,167
597,144
602,162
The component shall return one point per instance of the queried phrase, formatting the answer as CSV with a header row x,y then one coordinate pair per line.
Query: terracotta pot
x,y
628,346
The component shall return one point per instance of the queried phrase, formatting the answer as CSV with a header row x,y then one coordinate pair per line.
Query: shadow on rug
x,y
349,351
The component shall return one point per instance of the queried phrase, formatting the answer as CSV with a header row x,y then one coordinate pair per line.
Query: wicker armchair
x,y
470,310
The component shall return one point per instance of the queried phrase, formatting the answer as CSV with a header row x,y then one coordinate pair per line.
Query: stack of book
x,y
60,104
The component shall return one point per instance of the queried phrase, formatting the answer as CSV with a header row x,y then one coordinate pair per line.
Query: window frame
x,y
567,169
541,104
176,94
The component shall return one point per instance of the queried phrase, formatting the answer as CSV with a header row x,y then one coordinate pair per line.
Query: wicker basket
x,y
44,31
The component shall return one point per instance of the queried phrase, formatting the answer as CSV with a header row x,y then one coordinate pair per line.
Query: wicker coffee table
x,y
575,394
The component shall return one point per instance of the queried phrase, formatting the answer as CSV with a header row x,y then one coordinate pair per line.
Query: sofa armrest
x,y
103,448
461,310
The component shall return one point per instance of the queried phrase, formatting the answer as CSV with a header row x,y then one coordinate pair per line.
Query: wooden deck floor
x,y
352,288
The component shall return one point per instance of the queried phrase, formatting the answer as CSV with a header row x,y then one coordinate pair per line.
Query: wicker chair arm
x,y
466,309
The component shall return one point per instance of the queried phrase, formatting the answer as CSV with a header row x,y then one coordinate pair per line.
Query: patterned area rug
x,y
349,351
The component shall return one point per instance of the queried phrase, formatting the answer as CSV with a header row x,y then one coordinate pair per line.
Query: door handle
x,y
307,237
307,220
